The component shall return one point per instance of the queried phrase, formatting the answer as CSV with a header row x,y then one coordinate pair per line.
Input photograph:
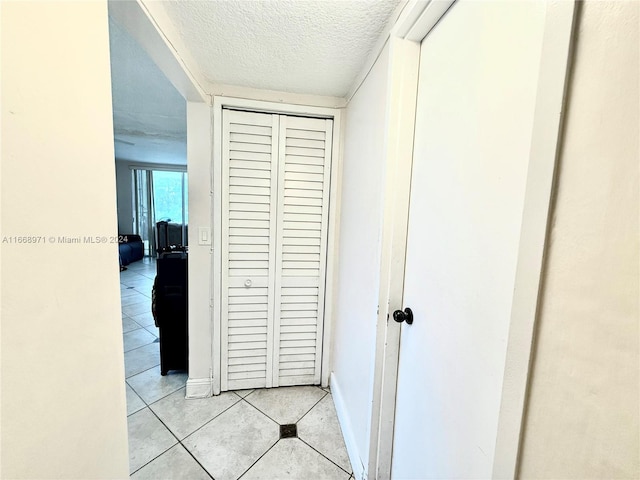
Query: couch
x,y
131,249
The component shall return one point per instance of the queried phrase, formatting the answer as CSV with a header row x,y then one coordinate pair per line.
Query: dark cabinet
x,y
171,310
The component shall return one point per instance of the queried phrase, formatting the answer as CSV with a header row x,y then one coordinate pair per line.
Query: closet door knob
x,y
406,316
248,282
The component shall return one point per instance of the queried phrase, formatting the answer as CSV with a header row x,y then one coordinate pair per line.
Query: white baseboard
x,y
359,471
199,388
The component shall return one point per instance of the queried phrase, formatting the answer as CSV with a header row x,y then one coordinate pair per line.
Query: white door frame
x,y
147,22
414,24
332,244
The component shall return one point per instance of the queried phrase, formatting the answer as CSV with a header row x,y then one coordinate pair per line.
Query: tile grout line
x,y
195,459
129,331
278,423
146,299
179,443
260,458
175,436
143,279
163,424
297,436
136,285
312,447
212,419
240,399
253,406
133,285
155,401
142,371
314,405
164,451
145,345
144,326
135,330
323,455
139,313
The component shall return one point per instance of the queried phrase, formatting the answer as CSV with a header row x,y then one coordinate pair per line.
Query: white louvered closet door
x,y
275,191
249,188
303,212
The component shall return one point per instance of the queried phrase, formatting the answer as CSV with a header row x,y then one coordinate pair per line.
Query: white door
x,y
301,249
249,170
275,187
477,86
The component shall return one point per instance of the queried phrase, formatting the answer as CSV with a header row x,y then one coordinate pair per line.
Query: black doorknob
x,y
406,316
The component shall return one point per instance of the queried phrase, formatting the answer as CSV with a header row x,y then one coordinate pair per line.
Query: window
x,y
160,195
169,196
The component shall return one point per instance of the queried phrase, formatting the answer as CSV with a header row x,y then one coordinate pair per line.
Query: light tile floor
x,y
230,436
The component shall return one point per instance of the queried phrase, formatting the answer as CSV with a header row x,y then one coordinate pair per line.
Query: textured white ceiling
x,y
149,115
300,46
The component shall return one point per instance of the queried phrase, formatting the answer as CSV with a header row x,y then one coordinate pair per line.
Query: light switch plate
x,y
204,236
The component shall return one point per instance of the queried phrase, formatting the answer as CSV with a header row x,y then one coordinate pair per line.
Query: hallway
x,y
234,435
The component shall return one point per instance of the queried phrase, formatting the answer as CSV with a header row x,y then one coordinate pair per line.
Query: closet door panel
x,y
303,196
249,189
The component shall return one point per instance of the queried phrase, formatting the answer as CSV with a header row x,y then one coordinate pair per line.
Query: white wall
x,y
63,396
583,417
199,144
355,315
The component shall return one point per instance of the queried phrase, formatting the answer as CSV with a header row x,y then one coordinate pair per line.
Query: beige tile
x,y
134,402
128,324
137,338
146,292
151,386
320,429
144,319
132,272
126,292
285,404
145,288
133,280
174,464
148,438
142,269
141,359
292,459
128,274
230,443
153,330
139,281
132,299
137,308
184,416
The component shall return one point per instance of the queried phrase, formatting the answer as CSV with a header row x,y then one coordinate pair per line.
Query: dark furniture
x,y
170,310
131,248
170,234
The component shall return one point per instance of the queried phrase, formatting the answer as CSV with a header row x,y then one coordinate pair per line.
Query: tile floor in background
x,y
230,436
